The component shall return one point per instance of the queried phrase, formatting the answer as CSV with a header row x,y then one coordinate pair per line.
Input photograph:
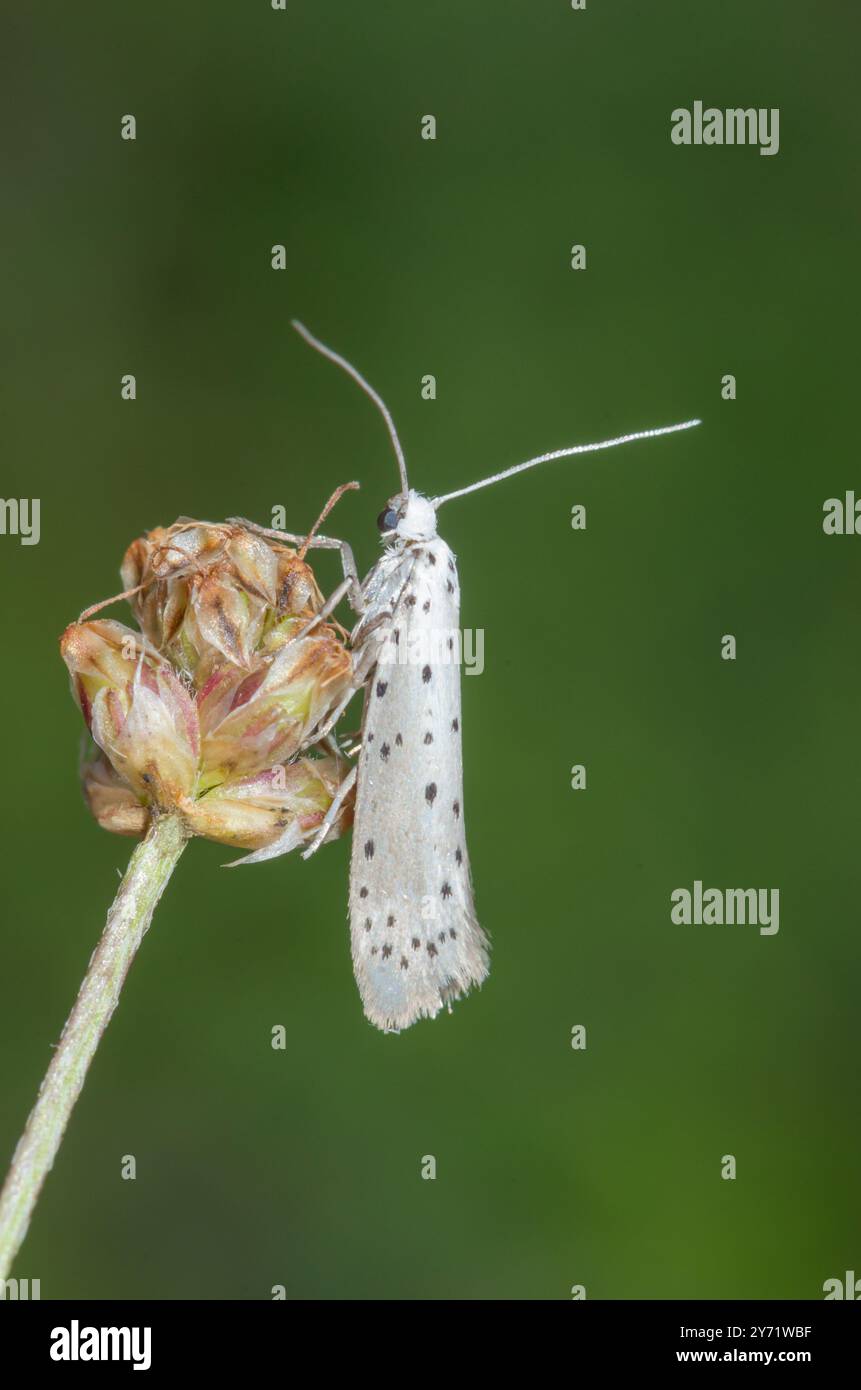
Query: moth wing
x,y
416,942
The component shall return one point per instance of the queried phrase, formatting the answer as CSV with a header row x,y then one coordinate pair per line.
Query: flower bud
x,y
251,721
283,805
111,799
137,709
213,592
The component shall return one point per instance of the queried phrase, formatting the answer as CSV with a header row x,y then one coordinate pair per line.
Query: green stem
x,y
144,881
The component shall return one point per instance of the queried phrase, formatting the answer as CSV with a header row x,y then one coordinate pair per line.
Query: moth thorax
x,y
417,518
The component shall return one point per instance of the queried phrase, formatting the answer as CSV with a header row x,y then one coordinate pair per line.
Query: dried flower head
x,y
204,593
213,708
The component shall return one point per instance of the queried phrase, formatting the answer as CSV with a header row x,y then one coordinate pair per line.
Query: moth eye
x,y
388,519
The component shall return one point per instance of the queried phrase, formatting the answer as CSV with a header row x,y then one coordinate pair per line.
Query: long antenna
x,y
565,453
368,390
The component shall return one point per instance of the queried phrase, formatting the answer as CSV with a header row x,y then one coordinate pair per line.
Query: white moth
x,y
416,942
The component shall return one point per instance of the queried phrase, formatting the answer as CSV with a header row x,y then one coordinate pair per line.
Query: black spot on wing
x,y
426,674
382,687
430,793
369,849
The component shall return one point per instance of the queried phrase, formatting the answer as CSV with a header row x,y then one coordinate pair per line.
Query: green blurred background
x,y
555,1167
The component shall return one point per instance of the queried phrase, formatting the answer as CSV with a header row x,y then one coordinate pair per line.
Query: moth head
x,y
408,517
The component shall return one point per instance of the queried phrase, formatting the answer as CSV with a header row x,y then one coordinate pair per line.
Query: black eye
x,y
387,520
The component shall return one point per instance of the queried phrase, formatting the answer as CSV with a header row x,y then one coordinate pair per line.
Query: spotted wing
x,y
415,939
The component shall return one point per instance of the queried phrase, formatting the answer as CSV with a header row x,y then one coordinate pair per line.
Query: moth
x,y
416,941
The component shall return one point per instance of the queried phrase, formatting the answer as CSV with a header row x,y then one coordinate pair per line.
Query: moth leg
x,y
331,603
266,531
369,623
364,665
345,787
334,747
348,563
322,730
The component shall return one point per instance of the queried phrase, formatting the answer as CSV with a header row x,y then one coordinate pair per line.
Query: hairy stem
x,y
144,881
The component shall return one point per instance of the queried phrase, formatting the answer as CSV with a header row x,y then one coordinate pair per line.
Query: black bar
x,y
222,1337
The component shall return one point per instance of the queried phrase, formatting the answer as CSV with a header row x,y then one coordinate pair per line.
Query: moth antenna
x,y
565,453
368,390
336,495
